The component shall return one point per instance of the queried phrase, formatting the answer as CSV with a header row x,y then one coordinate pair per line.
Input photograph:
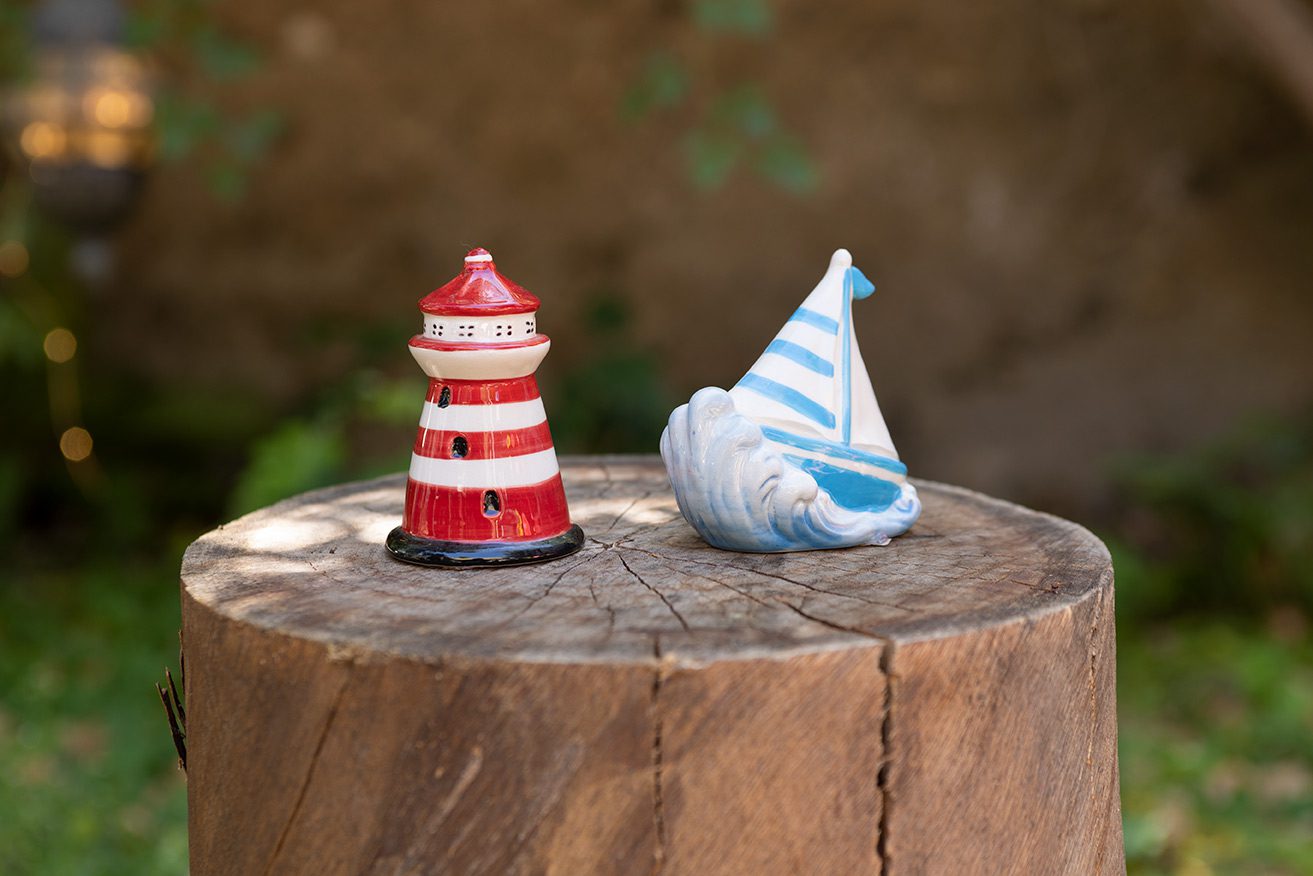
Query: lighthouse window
x,y
528,327
491,503
444,397
459,446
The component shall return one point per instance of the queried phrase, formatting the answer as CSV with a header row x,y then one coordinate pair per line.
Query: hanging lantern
x,y
82,121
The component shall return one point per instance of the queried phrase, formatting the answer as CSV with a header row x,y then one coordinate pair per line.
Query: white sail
x,y
811,379
869,431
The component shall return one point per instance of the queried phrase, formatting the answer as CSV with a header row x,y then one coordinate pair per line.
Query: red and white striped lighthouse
x,y
484,486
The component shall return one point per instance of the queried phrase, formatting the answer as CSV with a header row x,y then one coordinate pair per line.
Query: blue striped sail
x,y
797,454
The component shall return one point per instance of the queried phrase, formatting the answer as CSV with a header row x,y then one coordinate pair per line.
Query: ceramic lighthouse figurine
x,y
484,487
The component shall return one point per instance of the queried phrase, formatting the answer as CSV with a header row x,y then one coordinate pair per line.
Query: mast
x,y
855,285
846,391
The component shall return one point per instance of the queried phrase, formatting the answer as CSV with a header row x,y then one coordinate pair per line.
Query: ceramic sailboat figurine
x,y
796,456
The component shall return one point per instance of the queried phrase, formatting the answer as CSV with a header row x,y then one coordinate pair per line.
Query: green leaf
x,y
227,180
299,456
222,58
663,84
711,157
393,401
785,163
184,124
743,17
746,110
249,138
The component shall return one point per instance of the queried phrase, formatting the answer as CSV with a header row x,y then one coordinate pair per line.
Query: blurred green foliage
x,y
1226,528
742,128
727,127
87,782
746,17
662,84
614,399
1213,551
1216,746
316,448
88,589
191,121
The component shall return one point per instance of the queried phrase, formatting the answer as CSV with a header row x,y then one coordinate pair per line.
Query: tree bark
x,y
944,704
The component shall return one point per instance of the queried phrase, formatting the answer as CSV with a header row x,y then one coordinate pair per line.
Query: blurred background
x,y
1090,223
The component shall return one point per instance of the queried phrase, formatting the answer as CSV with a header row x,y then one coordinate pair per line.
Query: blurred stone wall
x,y
1090,222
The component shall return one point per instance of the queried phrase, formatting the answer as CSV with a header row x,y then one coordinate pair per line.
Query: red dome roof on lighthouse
x,y
479,290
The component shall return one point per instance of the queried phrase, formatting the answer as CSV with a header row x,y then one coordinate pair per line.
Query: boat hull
x,y
856,479
854,490
746,487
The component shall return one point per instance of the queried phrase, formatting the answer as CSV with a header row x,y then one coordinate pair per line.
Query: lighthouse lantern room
x,y
484,486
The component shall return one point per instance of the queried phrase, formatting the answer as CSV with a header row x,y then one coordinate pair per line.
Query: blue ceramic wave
x,y
740,494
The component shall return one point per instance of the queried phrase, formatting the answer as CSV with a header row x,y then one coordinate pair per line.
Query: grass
x,y
1216,724
88,781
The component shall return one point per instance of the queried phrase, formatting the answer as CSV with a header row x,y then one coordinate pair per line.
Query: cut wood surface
x,y
943,704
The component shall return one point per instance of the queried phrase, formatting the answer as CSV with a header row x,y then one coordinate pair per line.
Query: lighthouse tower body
x,y
484,486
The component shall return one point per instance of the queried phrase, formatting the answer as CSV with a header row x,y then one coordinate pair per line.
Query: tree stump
x,y
942,705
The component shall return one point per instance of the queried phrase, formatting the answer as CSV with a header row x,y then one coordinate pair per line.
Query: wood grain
x,y
651,704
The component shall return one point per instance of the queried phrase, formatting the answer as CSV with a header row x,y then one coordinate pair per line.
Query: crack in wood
x,y
658,757
310,770
628,508
816,589
771,575
1093,649
679,617
1049,589
356,584
611,545
769,604
882,782
1110,792
607,482
672,564
551,585
882,779
856,631
419,846
610,610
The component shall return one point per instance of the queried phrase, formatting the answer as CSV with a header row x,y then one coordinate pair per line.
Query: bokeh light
x,y
43,140
60,345
75,444
13,259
